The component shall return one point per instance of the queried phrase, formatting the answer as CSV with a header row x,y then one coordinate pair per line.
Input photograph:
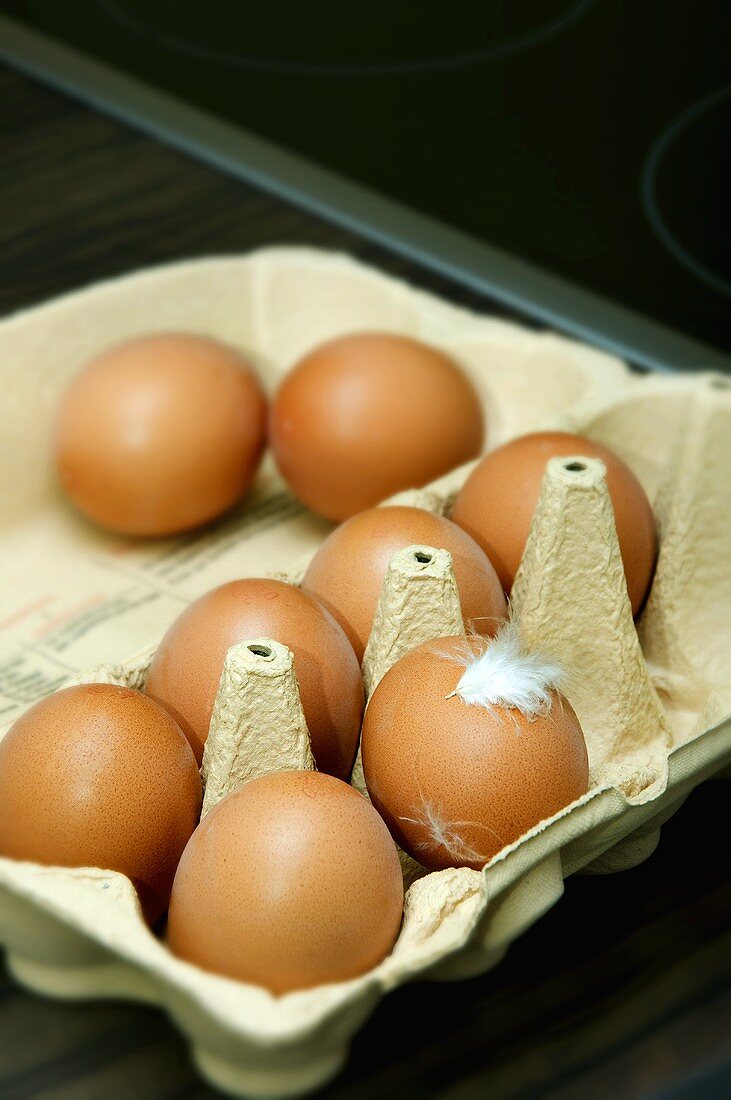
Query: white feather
x,y
505,675
447,834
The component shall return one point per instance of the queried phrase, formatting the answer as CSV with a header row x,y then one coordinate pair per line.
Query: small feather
x,y
447,834
505,675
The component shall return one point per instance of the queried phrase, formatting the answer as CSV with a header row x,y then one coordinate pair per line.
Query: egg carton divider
x,y
570,599
76,932
571,577
257,725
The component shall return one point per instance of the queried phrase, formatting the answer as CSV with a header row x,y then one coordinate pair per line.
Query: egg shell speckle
x,y
496,505
187,665
456,783
290,882
100,776
347,572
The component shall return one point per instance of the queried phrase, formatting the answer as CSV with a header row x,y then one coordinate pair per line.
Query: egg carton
x,y
653,698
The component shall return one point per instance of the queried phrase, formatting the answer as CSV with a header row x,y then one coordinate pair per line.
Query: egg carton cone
x,y
79,605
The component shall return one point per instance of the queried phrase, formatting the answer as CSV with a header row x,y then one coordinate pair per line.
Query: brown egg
x,y
160,434
497,502
457,778
367,415
290,882
100,776
346,573
187,666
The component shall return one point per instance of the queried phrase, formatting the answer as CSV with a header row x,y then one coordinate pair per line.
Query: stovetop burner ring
x,y
515,42
652,167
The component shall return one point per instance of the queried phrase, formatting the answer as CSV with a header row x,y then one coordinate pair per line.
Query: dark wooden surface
x,y
621,990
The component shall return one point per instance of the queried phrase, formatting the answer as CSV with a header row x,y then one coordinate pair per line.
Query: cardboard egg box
x,y
653,698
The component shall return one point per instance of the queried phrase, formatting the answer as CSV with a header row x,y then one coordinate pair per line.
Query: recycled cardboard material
x,y
654,700
257,725
419,601
570,598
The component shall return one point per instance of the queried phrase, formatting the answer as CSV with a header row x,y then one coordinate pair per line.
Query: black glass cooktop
x,y
569,156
